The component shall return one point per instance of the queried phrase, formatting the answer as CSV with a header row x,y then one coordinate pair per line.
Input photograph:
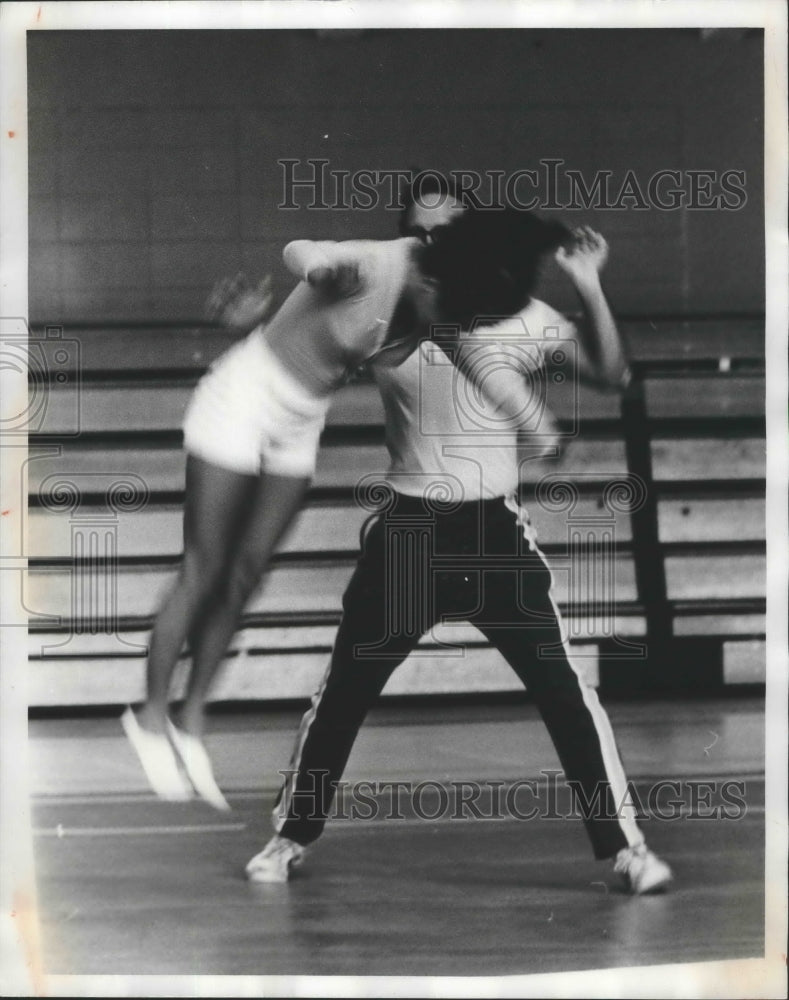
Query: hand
x,y
585,258
237,305
338,281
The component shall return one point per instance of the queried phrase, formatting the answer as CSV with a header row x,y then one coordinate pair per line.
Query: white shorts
x,y
250,415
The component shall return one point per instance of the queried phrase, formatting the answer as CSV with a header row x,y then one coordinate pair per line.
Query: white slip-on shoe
x,y
197,764
158,760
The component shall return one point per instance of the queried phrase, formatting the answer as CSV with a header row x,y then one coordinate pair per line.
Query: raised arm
x,y
600,355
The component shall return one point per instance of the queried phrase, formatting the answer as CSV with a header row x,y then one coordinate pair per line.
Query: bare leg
x,y
276,500
216,502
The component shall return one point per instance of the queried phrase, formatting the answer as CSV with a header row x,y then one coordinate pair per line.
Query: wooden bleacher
x,y
105,482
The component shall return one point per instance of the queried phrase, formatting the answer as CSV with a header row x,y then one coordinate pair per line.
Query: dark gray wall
x,y
153,155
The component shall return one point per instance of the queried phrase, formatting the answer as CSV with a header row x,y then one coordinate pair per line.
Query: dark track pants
x,y
477,562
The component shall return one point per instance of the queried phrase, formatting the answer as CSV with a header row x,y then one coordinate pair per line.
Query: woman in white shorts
x,y
251,434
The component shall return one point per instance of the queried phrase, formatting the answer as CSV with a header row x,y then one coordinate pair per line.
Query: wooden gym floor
x,y
128,885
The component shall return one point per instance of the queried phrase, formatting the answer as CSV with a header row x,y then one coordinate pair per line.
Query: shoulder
x,y
311,248
351,249
379,262
524,336
540,311
542,320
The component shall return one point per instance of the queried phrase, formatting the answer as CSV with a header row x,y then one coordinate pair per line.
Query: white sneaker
x,y
643,871
275,861
157,759
197,765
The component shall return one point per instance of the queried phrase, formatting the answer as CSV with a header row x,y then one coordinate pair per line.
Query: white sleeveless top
x,y
319,341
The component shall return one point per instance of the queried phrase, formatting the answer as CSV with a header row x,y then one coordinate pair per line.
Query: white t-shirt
x,y
440,431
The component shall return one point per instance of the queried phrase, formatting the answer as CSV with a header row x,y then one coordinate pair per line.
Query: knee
x,y
202,573
241,578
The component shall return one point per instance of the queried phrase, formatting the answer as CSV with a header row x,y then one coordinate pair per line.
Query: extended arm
x,y
600,355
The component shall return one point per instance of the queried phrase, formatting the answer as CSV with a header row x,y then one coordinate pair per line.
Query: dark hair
x,y
487,262
425,182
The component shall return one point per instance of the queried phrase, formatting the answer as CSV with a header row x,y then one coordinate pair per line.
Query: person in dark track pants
x,y
451,541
